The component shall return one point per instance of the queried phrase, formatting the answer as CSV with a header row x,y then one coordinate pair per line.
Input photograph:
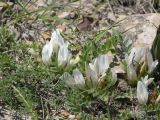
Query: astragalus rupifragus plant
x,y
96,71
55,52
88,75
142,89
139,63
76,80
143,92
94,75
91,74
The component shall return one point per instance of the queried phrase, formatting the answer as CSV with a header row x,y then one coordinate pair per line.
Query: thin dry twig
x,y
110,7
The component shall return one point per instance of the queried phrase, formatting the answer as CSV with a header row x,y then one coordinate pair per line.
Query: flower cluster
x,y
139,62
56,45
95,73
142,92
96,70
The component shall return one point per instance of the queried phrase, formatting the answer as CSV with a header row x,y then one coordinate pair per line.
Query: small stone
x,y
73,15
138,114
85,25
119,69
111,16
71,117
65,114
46,35
123,85
31,51
63,14
77,117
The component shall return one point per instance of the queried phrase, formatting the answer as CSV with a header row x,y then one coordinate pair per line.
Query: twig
x,y
42,108
110,7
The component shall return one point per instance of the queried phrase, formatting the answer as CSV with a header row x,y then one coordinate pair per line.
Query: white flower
x,y
142,93
101,64
131,73
74,81
147,80
79,79
56,39
151,64
97,69
47,53
137,54
64,56
69,80
136,57
91,74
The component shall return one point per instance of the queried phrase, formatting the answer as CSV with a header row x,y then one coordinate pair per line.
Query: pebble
x,y
71,117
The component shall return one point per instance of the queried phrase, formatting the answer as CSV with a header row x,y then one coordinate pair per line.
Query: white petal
x,y
127,59
147,81
79,79
142,93
69,57
91,75
149,58
47,53
131,72
87,71
93,72
63,55
114,76
94,65
69,80
153,66
60,38
158,99
145,78
102,64
137,53
56,39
